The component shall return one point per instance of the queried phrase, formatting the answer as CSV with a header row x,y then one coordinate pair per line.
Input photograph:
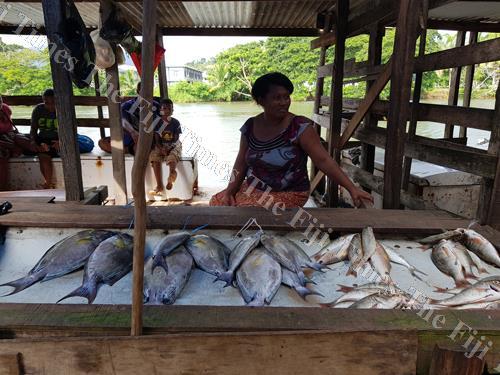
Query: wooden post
x,y
417,90
402,71
317,98
469,80
162,68
341,14
115,124
374,58
454,362
454,84
141,161
489,201
63,87
100,115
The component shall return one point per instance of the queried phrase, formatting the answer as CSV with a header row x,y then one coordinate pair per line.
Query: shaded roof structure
x,y
264,17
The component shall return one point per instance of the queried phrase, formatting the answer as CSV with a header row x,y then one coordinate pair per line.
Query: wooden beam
x,y
472,54
371,121
453,92
469,81
401,76
417,90
472,26
240,31
491,207
326,40
436,152
162,70
115,124
341,15
174,217
370,14
316,180
352,70
455,362
63,87
100,114
80,100
141,161
376,183
366,103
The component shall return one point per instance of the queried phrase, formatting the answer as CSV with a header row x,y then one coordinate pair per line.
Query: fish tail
x,y
256,302
304,292
442,290
22,283
470,275
159,261
462,283
345,288
302,277
87,290
351,272
309,280
227,277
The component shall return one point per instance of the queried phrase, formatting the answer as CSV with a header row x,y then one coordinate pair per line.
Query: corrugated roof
x,y
468,11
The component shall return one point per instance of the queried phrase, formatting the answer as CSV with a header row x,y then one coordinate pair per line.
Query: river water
x,y
216,126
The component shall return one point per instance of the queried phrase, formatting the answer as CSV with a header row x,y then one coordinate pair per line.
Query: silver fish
x,y
463,257
447,262
369,243
460,289
342,305
355,255
336,251
110,261
398,259
167,244
259,278
353,296
289,255
241,250
162,287
381,263
291,280
481,305
381,301
482,291
441,236
208,253
479,245
64,257
382,287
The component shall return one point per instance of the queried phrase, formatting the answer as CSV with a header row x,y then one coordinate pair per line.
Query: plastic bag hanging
x,y
75,39
104,58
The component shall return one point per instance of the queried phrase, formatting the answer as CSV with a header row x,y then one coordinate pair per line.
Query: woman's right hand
x,y
228,199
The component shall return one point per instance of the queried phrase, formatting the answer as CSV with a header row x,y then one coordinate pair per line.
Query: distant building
x,y
183,73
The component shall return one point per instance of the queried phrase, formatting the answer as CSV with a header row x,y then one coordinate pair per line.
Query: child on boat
x,y
45,136
167,147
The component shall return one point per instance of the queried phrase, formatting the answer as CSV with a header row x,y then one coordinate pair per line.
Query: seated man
x,y
45,136
131,118
167,147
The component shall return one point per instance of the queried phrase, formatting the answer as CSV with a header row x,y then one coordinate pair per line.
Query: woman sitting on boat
x,y
272,159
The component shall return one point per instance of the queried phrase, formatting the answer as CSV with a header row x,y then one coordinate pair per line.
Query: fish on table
x,y
109,262
292,280
162,287
259,278
336,251
445,259
209,254
66,256
165,246
485,290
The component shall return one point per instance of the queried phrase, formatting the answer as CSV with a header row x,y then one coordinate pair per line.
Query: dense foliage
x,y
230,74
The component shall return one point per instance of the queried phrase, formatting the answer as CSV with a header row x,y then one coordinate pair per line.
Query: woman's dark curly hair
x,y
262,84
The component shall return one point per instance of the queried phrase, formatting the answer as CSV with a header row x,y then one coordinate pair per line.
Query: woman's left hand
x,y
359,195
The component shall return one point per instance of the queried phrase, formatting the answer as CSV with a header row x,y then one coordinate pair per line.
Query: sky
x,y
179,49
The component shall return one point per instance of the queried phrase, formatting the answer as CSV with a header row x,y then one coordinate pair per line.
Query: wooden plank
x,y
322,120
256,353
472,54
316,180
141,161
100,114
491,213
353,70
18,320
80,100
335,129
365,105
115,125
63,87
96,196
412,130
371,121
454,362
472,26
399,109
454,85
80,122
165,217
433,151
326,40
376,183
11,364
469,81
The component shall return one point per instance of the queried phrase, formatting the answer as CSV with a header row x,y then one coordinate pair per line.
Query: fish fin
x,y
462,283
308,272
424,247
345,288
88,291
227,277
159,261
483,270
22,283
309,280
326,305
469,275
302,277
256,302
304,292
351,272
442,290
316,266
